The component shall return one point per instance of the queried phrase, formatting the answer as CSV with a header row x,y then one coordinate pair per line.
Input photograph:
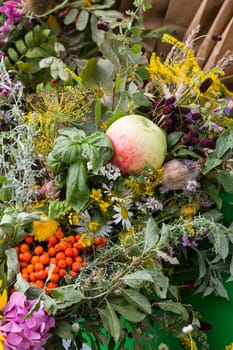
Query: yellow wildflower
x,y
104,206
43,229
85,240
3,299
187,212
125,235
96,194
229,347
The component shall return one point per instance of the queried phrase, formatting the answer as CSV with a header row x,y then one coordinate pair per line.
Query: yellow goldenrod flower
x,y
169,39
44,229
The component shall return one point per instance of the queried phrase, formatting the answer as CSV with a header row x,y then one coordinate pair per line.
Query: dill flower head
x,y
44,228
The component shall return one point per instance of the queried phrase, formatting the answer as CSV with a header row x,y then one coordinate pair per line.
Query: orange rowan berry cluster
x,y
63,252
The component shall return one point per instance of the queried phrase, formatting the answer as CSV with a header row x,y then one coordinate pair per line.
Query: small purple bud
x,y
196,116
103,26
205,85
216,37
205,326
169,121
207,142
159,102
193,140
168,109
170,100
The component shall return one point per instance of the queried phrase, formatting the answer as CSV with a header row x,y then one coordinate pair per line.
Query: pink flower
x,y
21,333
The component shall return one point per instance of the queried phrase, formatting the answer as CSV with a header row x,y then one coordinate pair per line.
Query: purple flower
x,y
21,333
188,242
153,204
229,108
14,14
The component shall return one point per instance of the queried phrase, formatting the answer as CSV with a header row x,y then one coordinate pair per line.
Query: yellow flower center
x,y
124,213
93,226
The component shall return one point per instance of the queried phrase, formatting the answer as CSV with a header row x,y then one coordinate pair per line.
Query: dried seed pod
x,y
178,172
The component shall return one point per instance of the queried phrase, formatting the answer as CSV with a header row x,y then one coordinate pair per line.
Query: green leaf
x,y
110,50
21,285
66,296
12,53
201,264
140,99
129,312
12,264
29,38
210,164
56,208
20,46
212,191
224,143
136,298
164,233
137,279
173,138
142,73
98,74
77,135
64,330
136,48
82,20
226,180
98,149
71,16
221,243
151,235
183,152
54,164
77,191
35,52
161,283
66,150
175,307
220,289
110,321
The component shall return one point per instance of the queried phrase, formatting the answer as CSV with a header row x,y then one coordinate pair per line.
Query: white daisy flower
x,y
91,227
122,215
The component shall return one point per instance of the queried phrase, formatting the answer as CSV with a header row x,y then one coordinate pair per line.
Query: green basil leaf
x,y
66,150
77,191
